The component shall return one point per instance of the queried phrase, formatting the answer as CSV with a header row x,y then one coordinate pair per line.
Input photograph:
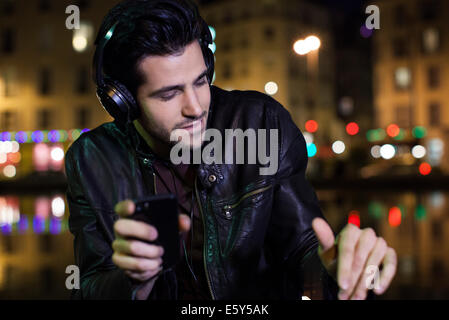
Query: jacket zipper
x,y
204,237
228,208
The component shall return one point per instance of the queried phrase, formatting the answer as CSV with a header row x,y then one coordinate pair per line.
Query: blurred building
x,y
411,72
254,51
46,92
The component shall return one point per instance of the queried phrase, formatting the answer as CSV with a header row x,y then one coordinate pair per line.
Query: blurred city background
x,y
373,105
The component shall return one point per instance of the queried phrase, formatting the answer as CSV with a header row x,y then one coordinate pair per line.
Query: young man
x,y
244,234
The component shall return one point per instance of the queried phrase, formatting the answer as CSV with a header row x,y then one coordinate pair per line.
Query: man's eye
x,y
167,97
201,82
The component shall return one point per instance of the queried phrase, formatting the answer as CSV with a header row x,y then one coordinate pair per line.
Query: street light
x,y
309,44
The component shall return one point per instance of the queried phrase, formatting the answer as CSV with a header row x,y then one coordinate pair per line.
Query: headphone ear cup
x,y
129,99
117,100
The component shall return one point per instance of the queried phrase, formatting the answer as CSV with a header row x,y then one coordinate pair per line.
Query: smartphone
x,y
161,211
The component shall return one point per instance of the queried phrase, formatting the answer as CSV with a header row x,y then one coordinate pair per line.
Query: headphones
x,y
115,98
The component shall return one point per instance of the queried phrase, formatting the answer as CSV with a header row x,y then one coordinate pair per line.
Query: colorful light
x,y
418,152
271,88
14,157
420,212
425,168
311,126
38,225
376,210
393,130
63,135
53,136
400,135
352,128
9,171
21,137
419,132
55,226
311,150
387,151
5,136
338,147
75,134
375,152
394,216
58,207
37,136
354,218
57,154
22,225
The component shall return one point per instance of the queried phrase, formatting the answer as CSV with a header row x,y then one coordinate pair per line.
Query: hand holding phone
x,y
161,212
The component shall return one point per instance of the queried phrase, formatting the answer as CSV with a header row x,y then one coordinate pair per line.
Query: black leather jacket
x,y
258,239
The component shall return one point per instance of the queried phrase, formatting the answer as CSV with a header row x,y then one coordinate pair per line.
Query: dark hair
x,y
146,27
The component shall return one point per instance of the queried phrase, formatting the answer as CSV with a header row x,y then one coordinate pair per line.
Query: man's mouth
x,y
193,125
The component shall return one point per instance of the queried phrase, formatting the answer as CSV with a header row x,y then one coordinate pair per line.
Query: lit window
x,y
8,82
83,37
403,78
431,40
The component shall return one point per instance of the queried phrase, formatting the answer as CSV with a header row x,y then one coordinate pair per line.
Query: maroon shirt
x,y
179,180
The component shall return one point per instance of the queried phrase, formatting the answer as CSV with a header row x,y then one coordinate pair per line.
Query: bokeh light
x,y
338,147
352,128
354,218
394,216
271,88
311,150
425,169
418,152
311,126
393,130
387,151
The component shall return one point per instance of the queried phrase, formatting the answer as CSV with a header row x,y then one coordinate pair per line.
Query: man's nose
x,y
191,104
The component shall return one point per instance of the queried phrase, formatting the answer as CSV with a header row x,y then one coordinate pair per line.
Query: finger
x,y
346,247
125,208
364,247
137,248
375,258
324,233
184,223
137,229
388,271
135,264
143,276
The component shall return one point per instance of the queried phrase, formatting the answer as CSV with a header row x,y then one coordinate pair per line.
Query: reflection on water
x,y
416,225
36,246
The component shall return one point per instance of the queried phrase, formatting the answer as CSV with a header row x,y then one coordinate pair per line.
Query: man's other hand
x,y
352,253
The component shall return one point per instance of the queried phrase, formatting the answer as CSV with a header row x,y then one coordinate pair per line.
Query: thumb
x,y
324,233
327,249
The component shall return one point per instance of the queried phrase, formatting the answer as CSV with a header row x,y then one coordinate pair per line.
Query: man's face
x,y
175,95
